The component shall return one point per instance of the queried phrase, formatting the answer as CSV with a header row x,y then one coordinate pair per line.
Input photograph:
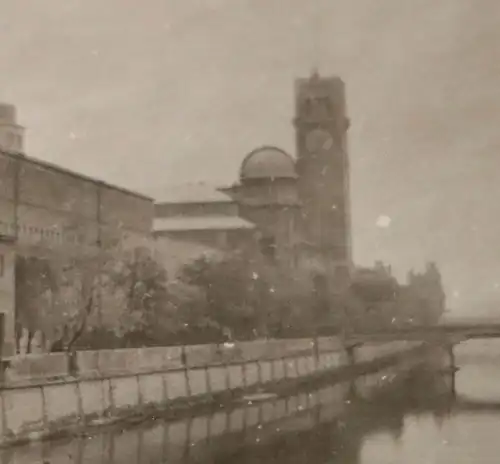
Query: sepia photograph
x,y
252,231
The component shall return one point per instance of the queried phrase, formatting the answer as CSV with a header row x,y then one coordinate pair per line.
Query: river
x,y
420,422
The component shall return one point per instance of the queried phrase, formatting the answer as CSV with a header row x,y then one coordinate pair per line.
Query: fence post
x,y
2,342
316,351
453,368
351,354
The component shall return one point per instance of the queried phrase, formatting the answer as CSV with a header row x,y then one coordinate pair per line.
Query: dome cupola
x,y
267,163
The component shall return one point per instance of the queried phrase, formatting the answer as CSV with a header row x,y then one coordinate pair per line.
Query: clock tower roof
x,y
267,162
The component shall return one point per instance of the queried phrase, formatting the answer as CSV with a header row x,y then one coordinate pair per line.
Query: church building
x,y
295,210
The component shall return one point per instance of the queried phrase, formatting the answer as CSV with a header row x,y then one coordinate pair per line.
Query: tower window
x,y
268,247
307,106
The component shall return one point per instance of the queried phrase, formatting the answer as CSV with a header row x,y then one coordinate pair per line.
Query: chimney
x,y
11,134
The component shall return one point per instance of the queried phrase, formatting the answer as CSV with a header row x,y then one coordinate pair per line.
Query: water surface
x,y
419,422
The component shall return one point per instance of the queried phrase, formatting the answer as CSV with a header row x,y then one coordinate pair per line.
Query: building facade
x,y
299,206
293,211
200,214
44,206
266,194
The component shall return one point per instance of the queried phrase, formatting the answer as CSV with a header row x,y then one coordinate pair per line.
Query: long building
x,y
40,201
47,206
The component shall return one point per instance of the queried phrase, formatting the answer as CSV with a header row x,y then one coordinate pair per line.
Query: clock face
x,y
318,140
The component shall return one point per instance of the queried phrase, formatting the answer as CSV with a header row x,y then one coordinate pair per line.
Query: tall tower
x,y
323,170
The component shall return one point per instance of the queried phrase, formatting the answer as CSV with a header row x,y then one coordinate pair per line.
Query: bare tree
x,y
57,286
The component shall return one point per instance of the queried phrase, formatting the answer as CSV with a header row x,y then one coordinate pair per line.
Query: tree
x,y
188,305
297,302
424,297
73,279
253,298
143,285
35,283
376,293
58,287
238,293
80,282
154,311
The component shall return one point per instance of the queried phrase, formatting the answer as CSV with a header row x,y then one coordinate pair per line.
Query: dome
x,y
268,163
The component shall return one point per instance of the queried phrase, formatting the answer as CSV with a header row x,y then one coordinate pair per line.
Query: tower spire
x,y
316,37
314,73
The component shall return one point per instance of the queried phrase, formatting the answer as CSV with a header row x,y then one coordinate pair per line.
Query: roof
x,y
221,222
60,169
316,81
268,162
8,115
192,193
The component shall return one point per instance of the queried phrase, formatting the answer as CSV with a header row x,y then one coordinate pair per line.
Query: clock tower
x,y
323,170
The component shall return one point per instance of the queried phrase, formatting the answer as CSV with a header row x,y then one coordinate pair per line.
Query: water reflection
x,y
418,421
464,431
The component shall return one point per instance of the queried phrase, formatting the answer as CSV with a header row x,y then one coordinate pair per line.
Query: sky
x,y
151,94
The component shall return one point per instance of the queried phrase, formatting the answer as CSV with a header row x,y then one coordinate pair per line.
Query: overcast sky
x,y
146,94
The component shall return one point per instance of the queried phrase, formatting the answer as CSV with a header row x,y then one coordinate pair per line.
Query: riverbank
x,y
42,400
225,433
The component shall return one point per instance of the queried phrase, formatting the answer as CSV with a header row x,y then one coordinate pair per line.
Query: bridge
x,y
448,401
449,333
446,335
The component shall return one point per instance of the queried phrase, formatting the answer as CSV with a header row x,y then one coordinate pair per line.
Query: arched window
x,y
307,106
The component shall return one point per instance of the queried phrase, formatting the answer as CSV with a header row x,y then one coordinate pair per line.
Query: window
x,y
221,239
268,247
324,105
307,106
11,141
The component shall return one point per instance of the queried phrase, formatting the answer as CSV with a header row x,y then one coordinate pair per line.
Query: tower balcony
x,y
300,122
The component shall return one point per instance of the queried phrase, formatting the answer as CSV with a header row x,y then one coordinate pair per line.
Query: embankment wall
x,y
221,433
43,395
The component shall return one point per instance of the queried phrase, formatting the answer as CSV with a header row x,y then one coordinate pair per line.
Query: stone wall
x,y
40,396
193,439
